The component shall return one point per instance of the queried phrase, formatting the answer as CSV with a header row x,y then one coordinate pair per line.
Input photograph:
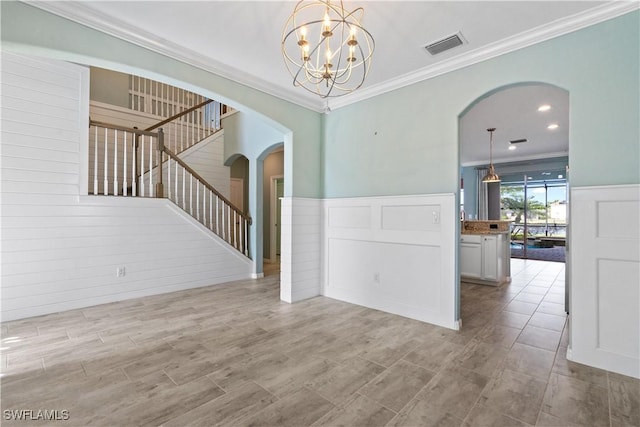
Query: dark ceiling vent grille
x,y
444,44
518,141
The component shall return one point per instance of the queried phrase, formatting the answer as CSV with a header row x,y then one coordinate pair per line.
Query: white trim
x,y
80,13
257,275
272,217
527,38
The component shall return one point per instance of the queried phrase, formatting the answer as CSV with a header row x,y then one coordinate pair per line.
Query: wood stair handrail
x,y
180,114
123,128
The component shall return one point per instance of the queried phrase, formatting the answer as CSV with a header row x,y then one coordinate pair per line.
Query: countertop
x,y
483,232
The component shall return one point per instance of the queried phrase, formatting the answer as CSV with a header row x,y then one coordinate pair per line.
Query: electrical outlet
x,y
120,271
436,217
376,277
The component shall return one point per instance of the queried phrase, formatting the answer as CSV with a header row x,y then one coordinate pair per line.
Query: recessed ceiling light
x,y
545,107
553,126
512,147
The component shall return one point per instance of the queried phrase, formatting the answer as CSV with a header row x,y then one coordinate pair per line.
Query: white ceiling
x,y
241,40
514,113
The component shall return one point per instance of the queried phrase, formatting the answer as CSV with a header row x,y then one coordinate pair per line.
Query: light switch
x,y
436,217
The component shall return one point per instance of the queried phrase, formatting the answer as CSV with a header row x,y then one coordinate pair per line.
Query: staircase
x,y
131,162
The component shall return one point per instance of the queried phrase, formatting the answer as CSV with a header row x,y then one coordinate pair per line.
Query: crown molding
x,y
81,14
527,38
84,15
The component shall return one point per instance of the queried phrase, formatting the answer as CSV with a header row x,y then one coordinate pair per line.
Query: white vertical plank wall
x,y
61,248
300,252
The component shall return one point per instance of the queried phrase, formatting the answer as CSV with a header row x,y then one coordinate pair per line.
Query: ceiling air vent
x,y
518,141
444,44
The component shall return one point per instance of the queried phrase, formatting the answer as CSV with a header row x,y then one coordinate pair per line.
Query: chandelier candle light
x,y
326,49
491,175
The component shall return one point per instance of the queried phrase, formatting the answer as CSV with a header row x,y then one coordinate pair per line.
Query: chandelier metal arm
x,y
340,58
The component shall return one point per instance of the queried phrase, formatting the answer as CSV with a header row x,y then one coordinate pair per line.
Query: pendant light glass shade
x,y
491,175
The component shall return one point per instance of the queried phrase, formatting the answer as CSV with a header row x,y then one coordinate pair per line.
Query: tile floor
x,y
235,355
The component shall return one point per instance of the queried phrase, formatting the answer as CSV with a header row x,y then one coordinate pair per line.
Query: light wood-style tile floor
x,y
235,355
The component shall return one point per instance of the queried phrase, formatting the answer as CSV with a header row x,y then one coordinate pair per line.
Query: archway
x,y
530,146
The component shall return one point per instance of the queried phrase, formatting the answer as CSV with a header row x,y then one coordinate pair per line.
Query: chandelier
x,y
491,175
326,49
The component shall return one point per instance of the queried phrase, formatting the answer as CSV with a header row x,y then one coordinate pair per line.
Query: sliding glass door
x,y
538,211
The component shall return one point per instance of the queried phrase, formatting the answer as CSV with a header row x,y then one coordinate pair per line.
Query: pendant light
x,y
491,175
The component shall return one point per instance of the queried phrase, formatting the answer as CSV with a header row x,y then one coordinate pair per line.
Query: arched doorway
x,y
530,152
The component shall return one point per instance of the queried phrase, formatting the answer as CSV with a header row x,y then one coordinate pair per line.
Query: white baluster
x,y
198,200
175,134
193,129
223,220
182,120
191,194
217,215
184,206
124,166
235,231
150,166
115,162
169,178
176,184
229,220
106,163
210,209
142,166
95,163
246,238
134,162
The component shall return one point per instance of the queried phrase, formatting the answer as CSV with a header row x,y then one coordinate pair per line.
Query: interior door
x,y
236,195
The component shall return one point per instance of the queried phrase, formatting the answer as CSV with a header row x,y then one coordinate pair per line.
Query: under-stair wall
x,y
62,249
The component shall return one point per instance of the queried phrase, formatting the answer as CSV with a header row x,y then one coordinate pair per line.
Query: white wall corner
x,y
300,249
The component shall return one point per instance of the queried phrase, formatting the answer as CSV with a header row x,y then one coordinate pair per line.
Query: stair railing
x,y
187,189
132,162
186,128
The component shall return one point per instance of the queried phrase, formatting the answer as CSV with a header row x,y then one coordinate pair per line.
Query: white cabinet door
x,y
490,257
471,260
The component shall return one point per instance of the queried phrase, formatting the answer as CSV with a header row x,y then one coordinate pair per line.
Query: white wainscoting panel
x,y
300,248
605,284
399,257
60,248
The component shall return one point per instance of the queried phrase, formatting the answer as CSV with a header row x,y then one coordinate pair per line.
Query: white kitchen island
x,y
484,252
